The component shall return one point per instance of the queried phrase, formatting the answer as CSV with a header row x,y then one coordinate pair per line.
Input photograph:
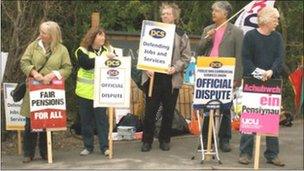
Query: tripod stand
x,y
215,119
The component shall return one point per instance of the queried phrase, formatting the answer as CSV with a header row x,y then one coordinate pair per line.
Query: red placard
x,y
47,105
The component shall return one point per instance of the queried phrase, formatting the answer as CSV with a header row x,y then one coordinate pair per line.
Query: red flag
x,y
296,81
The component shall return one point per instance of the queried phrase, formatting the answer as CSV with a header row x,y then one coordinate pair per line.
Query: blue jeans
x,y
272,146
89,117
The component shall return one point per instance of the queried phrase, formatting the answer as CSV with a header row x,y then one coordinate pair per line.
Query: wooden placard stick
x,y
151,86
111,114
95,19
227,21
208,157
19,142
257,151
49,146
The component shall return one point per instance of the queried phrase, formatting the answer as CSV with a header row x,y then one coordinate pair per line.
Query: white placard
x,y
3,61
118,51
14,121
112,82
156,46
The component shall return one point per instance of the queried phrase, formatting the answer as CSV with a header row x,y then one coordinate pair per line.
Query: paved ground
x,y
127,155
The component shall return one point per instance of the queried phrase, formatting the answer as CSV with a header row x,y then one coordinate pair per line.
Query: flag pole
x,y
227,20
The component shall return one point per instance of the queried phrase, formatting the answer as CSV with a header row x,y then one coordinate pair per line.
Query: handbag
x,y
19,91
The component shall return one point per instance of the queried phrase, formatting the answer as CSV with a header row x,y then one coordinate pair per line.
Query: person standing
x,y
93,44
166,86
263,48
225,41
44,59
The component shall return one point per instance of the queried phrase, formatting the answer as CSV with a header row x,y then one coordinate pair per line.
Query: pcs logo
x,y
216,64
113,63
157,33
112,72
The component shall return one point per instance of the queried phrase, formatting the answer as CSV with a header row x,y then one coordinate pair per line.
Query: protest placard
x,y
112,82
112,87
47,105
261,106
3,61
156,46
13,119
213,82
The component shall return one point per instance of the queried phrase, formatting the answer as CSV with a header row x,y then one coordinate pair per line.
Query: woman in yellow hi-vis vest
x,y
93,44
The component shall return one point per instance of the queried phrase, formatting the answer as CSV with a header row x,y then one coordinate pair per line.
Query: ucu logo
x,y
250,121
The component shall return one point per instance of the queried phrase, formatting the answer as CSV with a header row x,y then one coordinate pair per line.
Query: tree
x,y
18,33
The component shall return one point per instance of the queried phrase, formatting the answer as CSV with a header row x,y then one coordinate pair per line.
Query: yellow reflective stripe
x,y
86,81
85,78
84,50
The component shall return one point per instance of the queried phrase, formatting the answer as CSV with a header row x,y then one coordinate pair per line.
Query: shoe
x,y
244,159
164,146
276,161
146,147
225,147
27,159
85,152
106,152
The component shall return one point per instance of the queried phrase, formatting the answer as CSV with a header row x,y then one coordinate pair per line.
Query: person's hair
x,y
90,36
175,10
266,14
224,5
52,29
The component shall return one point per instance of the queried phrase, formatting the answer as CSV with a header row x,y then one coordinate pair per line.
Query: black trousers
x,y
224,133
162,93
30,141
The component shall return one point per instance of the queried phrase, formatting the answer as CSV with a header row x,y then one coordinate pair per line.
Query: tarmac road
x,y
127,156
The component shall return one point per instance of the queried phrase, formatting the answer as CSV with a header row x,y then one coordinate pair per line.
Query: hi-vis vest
x,y
85,78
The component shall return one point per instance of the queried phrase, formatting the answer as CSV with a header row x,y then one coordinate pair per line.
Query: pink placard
x,y
258,123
